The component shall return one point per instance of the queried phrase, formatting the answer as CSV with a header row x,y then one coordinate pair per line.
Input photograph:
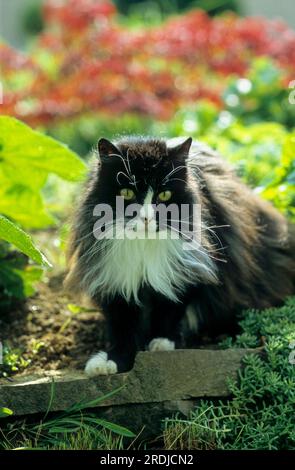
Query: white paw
x,y
161,344
100,365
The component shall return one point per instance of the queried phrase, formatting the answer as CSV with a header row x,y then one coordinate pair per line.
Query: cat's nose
x,y
146,220
146,214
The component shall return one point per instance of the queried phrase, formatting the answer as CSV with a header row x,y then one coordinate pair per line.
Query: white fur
x,y
100,365
147,210
161,344
125,265
146,221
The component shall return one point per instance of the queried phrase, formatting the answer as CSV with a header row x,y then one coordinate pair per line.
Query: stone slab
x,y
156,378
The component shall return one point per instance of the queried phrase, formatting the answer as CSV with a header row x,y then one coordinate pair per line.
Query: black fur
x,y
253,246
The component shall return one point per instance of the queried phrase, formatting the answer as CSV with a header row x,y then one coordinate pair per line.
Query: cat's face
x,y
150,182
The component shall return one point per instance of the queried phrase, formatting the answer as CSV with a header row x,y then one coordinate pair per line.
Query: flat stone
x,y
173,380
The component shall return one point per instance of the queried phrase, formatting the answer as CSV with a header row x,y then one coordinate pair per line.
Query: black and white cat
x,y
162,278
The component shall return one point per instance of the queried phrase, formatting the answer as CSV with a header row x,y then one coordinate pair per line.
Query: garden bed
x,y
46,333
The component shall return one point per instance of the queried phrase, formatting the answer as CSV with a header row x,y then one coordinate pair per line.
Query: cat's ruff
x,y
163,265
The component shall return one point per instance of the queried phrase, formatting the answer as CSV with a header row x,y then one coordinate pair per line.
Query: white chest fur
x,y
124,266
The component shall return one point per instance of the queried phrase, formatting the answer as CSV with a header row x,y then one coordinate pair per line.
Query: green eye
x,y
164,196
127,194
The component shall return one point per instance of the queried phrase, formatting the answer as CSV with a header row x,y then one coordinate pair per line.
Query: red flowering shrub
x,y
85,61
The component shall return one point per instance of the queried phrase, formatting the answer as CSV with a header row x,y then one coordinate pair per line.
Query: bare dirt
x,y
47,333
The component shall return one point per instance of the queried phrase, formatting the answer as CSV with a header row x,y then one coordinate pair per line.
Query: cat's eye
x,y
164,196
127,194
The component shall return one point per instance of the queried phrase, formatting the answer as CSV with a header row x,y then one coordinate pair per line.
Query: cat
x,y
162,284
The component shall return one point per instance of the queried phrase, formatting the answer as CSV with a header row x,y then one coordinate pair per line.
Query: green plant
x,y
75,428
4,412
262,152
26,159
83,132
16,359
260,414
155,72
260,95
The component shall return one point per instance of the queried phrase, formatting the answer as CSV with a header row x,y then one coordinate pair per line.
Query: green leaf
x,y
19,283
4,412
21,146
24,205
115,428
15,235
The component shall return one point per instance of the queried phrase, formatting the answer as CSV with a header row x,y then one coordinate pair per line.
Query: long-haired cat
x,y
162,281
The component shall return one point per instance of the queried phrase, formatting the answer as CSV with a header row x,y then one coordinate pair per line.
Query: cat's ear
x,y
106,149
181,151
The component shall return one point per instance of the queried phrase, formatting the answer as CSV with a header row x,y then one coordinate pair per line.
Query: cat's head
x,y
147,177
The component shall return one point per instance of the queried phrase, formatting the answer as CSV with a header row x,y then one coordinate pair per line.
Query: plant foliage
x,y
26,159
75,428
85,60
260,414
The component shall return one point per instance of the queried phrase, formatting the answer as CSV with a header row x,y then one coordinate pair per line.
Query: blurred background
x,y
24,17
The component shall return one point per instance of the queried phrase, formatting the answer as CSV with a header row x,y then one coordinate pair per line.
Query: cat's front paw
x,y
161,344
100,365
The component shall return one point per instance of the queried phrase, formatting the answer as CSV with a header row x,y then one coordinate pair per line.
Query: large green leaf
x,y
13,234
20,146
25,206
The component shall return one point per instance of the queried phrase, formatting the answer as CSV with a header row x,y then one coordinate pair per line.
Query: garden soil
x,y
47,333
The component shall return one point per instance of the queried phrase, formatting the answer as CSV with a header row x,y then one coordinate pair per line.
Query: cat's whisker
x,y
197,248
128,173
78,240
97,247
218,226
105,225
134,182
194,154
128,162
123,160
124,174
174,170
203,227
94,230
174,179
215,235
158,163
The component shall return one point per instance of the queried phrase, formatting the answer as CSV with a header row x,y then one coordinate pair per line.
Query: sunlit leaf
x,y
21,240
21,146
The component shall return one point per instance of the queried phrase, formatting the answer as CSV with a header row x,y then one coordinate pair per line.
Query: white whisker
x,y
174,170
123,160
174,179
124,174
197,247
128,162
